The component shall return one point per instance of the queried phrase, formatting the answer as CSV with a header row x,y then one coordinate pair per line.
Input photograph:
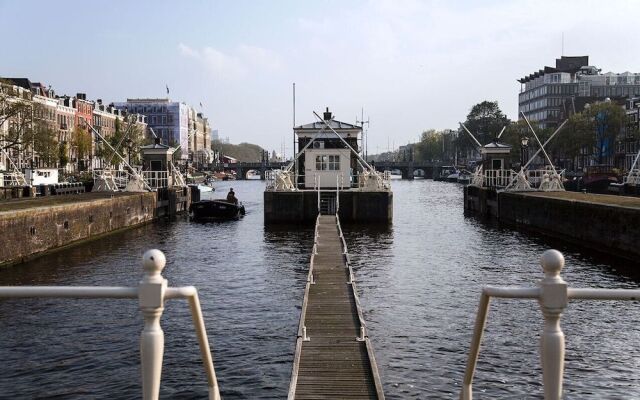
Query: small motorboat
x,y
444,173
216,210
464,177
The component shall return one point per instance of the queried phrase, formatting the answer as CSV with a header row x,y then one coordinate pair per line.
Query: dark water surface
x,y
419,279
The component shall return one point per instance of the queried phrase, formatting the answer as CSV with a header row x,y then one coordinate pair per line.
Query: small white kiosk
x,y
327,162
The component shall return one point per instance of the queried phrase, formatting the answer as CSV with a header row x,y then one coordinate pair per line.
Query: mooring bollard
x,y
553,300
151,297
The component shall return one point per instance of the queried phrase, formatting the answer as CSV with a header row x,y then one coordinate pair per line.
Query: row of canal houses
x,y
67,117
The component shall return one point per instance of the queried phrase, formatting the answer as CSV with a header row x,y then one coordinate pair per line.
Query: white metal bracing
x,y
15,177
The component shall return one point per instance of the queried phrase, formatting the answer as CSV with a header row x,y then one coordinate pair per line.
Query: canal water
x,y
419,282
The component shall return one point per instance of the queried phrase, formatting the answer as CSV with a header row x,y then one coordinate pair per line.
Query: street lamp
x,y
524,142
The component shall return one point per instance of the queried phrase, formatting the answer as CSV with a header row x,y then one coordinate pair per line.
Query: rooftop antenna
x,y
365,140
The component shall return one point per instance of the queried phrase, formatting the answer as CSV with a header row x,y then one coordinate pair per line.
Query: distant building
x,y
551,94
65,121
631,143
199,139
214,135
168,120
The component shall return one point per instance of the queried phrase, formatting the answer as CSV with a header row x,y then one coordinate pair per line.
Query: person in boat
x,y
231,197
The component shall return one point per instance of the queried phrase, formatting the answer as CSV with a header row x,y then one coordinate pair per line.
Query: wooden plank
x,y
332,363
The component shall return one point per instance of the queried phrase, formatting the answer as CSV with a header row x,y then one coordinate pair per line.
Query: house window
x,y
328,163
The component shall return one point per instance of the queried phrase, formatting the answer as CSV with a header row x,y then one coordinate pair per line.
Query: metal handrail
x,y
151,293
553,294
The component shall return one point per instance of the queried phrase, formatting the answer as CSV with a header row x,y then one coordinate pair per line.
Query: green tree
x,y
485,121
81,140
243,152
63,151
45,143
430,146
580,134
18,113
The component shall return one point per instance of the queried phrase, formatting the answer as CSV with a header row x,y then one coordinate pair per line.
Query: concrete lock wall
x,y
29,232
605,228
302,206
369,207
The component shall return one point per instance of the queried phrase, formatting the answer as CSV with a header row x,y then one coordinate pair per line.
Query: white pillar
x,y
553,301
151,296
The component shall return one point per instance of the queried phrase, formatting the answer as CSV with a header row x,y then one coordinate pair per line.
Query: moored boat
x,y
445,172
216,210
464,177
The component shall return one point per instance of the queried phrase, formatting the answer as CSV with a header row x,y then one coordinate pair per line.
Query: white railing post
x,y
151,297
553,300
338,193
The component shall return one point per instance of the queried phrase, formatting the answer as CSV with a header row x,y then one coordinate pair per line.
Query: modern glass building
x,y
168,119
553,93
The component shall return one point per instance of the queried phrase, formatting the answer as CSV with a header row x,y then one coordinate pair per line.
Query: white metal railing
x,y
339,187
177,178
553,295
374,180
114,179
14,178
151,293
538,179
156,179
316,187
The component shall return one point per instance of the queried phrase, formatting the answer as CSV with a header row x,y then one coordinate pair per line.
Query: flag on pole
x,y
167,88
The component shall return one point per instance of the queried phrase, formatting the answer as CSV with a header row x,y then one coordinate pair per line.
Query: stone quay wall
x,y
606,228
30,231
603,223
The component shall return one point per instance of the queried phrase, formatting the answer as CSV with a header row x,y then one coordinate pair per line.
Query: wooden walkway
x,y
334,357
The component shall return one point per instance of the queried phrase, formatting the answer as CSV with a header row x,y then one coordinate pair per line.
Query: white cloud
x,y
244,61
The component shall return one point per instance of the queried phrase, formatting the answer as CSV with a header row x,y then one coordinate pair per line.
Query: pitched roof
x,y
332,123
496,145
155,146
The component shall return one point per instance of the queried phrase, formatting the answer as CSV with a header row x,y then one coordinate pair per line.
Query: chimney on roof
x,y
81,96
327,115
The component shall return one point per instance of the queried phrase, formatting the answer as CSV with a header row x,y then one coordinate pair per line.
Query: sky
x,y
410,65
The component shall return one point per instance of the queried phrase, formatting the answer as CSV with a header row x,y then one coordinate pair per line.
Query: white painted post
x,y
553,300
361,338
305,338
151,297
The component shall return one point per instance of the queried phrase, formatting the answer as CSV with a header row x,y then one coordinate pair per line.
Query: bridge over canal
x,y
407,168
